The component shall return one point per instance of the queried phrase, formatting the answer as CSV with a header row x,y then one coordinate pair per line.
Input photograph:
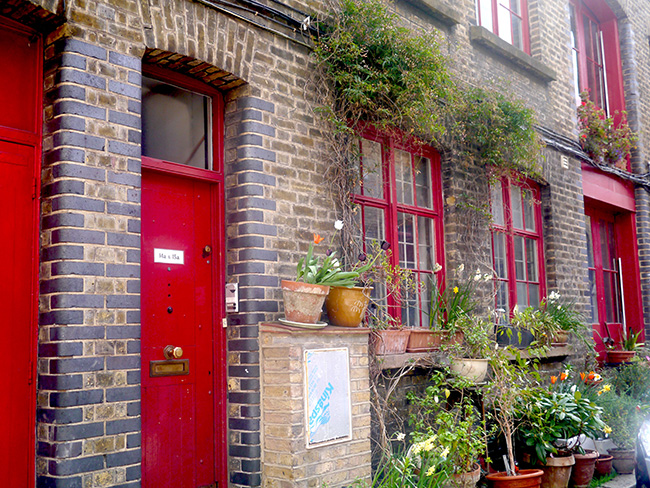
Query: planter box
x,y
422,340
389,341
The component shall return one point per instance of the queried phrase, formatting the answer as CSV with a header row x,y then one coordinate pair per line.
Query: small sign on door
x,y
168,256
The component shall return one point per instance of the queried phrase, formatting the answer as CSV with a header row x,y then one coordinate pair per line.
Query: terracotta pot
x,y
624,460
464,480
473,369
618,357
525,478
583,470
604,465
346,306
557,471
422,340
303,302
561,338
389,341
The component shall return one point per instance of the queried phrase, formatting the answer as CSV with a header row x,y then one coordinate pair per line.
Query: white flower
x,y
400,436
553,296
338,225
487,277
461,268
437,268
478,275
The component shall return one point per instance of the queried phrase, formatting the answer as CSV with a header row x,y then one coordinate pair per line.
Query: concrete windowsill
x,y
273,327
482,36
436,9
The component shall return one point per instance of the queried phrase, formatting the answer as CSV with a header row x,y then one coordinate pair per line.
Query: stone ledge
x,y
480,35
438,11
277,328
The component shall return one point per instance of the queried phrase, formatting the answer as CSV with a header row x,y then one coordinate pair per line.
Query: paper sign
x,y
168,256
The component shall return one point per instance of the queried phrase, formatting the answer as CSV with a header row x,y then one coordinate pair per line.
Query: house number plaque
x,y
168,256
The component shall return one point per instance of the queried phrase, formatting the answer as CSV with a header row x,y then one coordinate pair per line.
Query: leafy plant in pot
x,y
566,316
624,349
470,359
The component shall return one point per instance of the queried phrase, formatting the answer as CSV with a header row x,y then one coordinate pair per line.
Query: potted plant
x,y
510,380
566,317
470,358
623,350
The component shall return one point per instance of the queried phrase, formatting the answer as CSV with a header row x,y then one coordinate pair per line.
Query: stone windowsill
x,y
436,9
426,359
482,36
277,328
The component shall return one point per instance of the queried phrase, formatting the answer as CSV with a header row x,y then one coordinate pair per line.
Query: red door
x,y
182,392
20,82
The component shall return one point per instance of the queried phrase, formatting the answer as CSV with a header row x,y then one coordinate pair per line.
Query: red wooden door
x,y
20,81
180,305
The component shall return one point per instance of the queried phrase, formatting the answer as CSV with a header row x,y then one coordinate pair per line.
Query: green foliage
x,y
601,138
565,314
630,379
385,76
324,271
624,416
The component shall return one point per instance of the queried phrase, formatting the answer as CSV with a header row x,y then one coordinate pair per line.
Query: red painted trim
x,y
494,28
613,63
215,176
607,189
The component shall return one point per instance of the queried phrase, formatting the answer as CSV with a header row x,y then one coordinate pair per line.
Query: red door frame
x,y
218,233
32,138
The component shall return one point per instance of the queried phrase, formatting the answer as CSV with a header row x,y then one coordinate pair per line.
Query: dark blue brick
x,y
250,438
123,240
135,78
249,140
60,415
78,236
247,216
251,293
76,398
62,317
122,362
78,171
246,190
246,479
255,153
122,394
134,165
133,286
243,345
60,450
252,177
62,284
61,382
259,280
133,317
124,89
252,102
77,203
252,384
134,226
251,411
67,122
252,202
250,114
124,60
63,252
74,268
133,195
60,349
246,241
48,482
257,228
133,378
129,179
63,467
245,268
245,451
117,208
249,331
124,149
122,426
257,128
67,75
67,138
77,301
246,397
123,270
63,220
74,333
133,347
121,118
133,255
247,318
258,306
244,371
251,465
76,365
133,472
77,46
65,154
70,91
78,108
70,60
247,165
75,432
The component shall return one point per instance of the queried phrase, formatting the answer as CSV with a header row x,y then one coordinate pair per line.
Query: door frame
x,y
34,140
217,202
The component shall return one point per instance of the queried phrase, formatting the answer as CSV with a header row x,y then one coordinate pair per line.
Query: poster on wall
x,y
327,378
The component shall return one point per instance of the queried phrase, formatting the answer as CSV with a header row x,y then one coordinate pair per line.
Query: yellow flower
x,y
607,387
607,429
444,453
431,470
455,289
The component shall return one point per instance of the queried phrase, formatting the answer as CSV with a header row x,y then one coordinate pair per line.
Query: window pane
x,y
522,295
410,309
176,124
425,299
590,243
499,244
485,14
403,177
373,181
520,270
531,260
503,21
533,295
496,201
593,297
406,236
426,243
373,224
517,34
423,182
574,53
503,305
611,297
529,210
605,246
517,211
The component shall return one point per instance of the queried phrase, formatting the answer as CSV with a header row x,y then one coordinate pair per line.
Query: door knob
x,y
171,352
207,249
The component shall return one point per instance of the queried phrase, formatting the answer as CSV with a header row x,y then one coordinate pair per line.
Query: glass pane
x,y
611,297
503,305
403,177
406,236
611,251
373,224
373,181
423,182
529,211
590,242
410,309
574,53
517,211
425,299
522,295
499,244
503,21
520,269
426,243
605,246
517,34
593,297
176,124
496,201
531,260
485,14
533,295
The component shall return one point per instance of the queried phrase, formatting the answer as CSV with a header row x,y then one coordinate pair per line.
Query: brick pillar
x,y
249,210
89,348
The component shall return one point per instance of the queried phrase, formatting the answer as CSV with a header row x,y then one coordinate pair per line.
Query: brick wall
x,y
287,462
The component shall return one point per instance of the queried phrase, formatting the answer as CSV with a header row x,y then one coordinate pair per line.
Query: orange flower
x,y
563,376
583,376
553,379
317,239
591,375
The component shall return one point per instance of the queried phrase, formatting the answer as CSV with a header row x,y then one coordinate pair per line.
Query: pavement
x,y
621,481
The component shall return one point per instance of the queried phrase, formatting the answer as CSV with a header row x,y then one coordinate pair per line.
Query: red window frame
x,y
506,274
391,208
488,13
603,66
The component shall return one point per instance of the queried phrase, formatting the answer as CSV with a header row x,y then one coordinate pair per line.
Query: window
x,y
176,124
517,246
596,54
508,19
401,202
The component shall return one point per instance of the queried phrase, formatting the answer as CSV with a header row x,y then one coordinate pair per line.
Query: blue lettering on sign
x,y
320,415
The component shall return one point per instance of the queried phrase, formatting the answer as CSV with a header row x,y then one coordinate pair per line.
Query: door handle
x,y
171,352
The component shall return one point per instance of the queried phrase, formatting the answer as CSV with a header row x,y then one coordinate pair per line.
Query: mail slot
x,y
171,367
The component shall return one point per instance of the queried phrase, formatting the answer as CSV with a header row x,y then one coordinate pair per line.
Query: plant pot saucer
x,y
302,325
